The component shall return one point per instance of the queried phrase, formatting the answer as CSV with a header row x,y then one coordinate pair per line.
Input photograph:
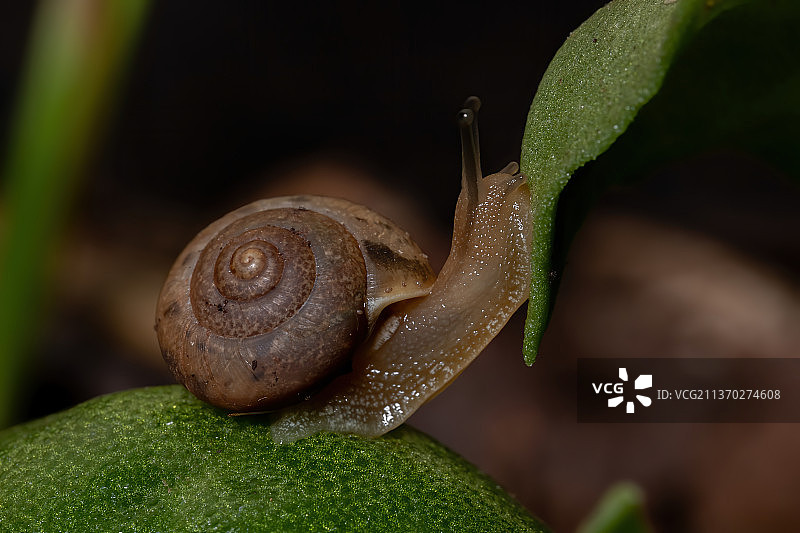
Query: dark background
x,y
223,105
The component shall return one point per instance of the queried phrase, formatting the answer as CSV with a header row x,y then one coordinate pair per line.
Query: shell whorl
x,y
255,275
269,303
263,307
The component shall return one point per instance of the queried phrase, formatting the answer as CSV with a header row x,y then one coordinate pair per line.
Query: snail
x,y
329,314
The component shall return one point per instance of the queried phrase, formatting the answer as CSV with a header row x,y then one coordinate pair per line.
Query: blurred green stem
x,y
77,51
621,510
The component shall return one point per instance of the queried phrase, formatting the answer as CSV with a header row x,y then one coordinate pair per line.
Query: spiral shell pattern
x,y
263,307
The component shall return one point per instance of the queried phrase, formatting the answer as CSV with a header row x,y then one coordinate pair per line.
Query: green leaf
x,y
733,89
736,86
620,511
158,459
599,79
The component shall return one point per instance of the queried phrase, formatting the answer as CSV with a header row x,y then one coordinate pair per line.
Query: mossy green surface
x,y
157,459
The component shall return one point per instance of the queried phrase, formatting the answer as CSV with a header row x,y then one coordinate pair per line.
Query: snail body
x,y
247,321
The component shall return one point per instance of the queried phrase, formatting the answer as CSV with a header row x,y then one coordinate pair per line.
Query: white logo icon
x,y
644,381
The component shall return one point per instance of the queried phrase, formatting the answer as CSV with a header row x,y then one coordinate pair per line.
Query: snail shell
x,y
268,303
